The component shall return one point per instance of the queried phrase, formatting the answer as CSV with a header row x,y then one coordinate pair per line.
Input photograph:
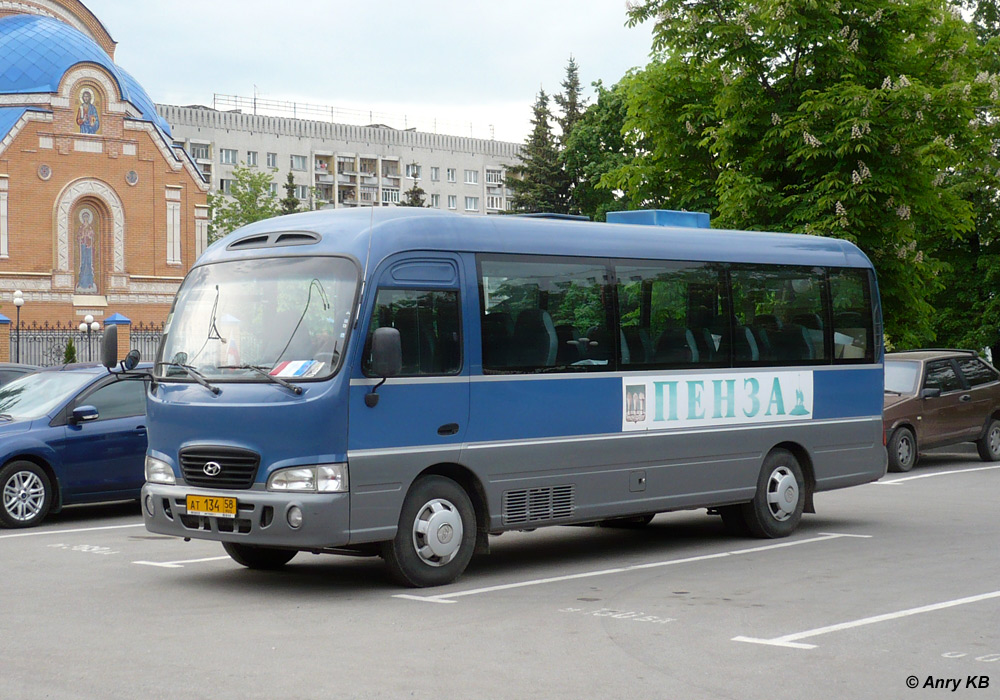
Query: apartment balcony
x,y
345,179
324,178
369,180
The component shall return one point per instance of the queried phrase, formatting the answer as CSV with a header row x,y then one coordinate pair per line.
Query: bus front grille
x,y
538,505
219,467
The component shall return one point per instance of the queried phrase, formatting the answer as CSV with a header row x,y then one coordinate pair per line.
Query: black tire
x,y
634,522
25,494
253,557
989,445
776,508
902,450
429,549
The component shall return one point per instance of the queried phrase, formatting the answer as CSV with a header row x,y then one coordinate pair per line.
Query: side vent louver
x,y
538,505
269,240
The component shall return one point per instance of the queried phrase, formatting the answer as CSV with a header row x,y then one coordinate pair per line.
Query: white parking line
x,y
37,533
178,564
791,640
447,597
928,476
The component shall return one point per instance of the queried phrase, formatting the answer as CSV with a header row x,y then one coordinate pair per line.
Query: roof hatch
x,y
660,217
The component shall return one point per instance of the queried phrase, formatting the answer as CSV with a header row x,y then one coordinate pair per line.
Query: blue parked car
x,y
71,434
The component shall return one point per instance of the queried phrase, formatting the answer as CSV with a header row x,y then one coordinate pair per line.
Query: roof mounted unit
x,y
553,215
660,217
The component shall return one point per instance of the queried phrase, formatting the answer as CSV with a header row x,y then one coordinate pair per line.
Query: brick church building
x,y
100,213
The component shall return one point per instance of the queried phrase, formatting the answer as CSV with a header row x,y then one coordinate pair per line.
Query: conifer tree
x,y
537,180
415,196
289,203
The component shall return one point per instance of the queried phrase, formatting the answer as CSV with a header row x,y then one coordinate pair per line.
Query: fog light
x,y
295,517
149,505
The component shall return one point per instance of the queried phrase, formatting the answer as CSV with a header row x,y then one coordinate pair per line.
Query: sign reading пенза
x,y
691,400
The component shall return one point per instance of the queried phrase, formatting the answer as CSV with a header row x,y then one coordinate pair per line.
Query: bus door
x,y
421,415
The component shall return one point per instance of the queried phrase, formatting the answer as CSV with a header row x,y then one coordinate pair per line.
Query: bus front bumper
x,y
262,517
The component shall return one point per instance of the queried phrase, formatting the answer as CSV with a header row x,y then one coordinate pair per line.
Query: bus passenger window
x,y
428,327
779,315
544,315
673,314
852,317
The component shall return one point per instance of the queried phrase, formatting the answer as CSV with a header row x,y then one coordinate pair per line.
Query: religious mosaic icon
x,y
86,238
86,113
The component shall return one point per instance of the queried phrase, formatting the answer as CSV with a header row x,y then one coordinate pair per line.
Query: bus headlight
x,y
158,471
323,478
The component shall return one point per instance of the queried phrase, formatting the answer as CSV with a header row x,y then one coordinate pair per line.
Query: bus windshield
x,y
240,320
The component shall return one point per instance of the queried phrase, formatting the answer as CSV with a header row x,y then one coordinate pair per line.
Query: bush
x,y
69,354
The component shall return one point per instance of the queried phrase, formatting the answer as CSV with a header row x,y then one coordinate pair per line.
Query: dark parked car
x,y
72,434
9,371
939,397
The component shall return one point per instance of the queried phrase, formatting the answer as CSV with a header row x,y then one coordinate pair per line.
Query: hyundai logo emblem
x,y
212,468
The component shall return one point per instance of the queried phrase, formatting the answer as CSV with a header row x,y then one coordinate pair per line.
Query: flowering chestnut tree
x,y
867,120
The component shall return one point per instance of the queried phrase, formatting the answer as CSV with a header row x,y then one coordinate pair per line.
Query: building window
x,y
274,188
298,162
199,151
252,158
413,171
472,204
226,186
174,232
452,201
494,177
228,156
494,202
452,175
390,195
302,191
435,174
471,177
436,201
272,160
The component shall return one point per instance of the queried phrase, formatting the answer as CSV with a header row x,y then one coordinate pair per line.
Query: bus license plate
x,y
211,505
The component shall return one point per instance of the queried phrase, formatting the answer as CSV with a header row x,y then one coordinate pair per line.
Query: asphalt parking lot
x,y
889,585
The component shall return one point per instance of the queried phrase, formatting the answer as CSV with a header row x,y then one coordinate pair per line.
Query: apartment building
x,y
343,165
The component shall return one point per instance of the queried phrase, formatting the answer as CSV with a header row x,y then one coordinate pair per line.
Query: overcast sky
x,y
459,62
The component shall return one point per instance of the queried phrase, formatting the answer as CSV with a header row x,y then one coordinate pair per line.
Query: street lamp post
x,y
18,302
89,326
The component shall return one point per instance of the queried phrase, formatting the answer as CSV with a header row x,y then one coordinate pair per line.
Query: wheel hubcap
x,y
437,532
904,451
782,493
995,440
23,496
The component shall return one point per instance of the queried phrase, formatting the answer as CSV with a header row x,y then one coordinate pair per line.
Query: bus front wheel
x,y
436,535
776,508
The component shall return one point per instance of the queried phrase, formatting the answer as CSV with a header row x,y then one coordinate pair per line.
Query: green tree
x,y
852,119
594,148
415,196
572,108
250,199
537,180
290,204
69,354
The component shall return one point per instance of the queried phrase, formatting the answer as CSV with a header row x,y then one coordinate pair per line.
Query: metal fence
x,y
45,345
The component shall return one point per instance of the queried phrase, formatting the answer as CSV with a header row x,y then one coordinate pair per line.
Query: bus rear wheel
x,y
776,508
254,557
436,535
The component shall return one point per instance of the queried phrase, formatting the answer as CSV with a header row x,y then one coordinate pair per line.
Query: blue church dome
x,y
37,51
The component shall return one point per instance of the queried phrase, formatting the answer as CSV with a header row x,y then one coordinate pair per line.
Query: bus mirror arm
x,y
387,359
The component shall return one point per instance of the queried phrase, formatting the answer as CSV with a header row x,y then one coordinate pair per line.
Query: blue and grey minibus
x,y
406,382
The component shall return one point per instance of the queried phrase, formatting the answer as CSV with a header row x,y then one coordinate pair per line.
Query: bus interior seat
x,y
600,347
792,343
569,347
745,345
638,343
676,346
535,343
498,333
765,329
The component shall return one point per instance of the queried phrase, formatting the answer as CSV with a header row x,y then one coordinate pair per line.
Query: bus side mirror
x,y
109,347
131,360
930,393
387,353
387,359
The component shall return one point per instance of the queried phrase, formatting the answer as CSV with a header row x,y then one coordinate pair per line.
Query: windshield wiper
x,y
264,372
194,374
6,416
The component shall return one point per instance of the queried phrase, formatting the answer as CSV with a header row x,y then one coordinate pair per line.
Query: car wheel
x,y
253,557
902,450
989,445
26,492
436,535
776,508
